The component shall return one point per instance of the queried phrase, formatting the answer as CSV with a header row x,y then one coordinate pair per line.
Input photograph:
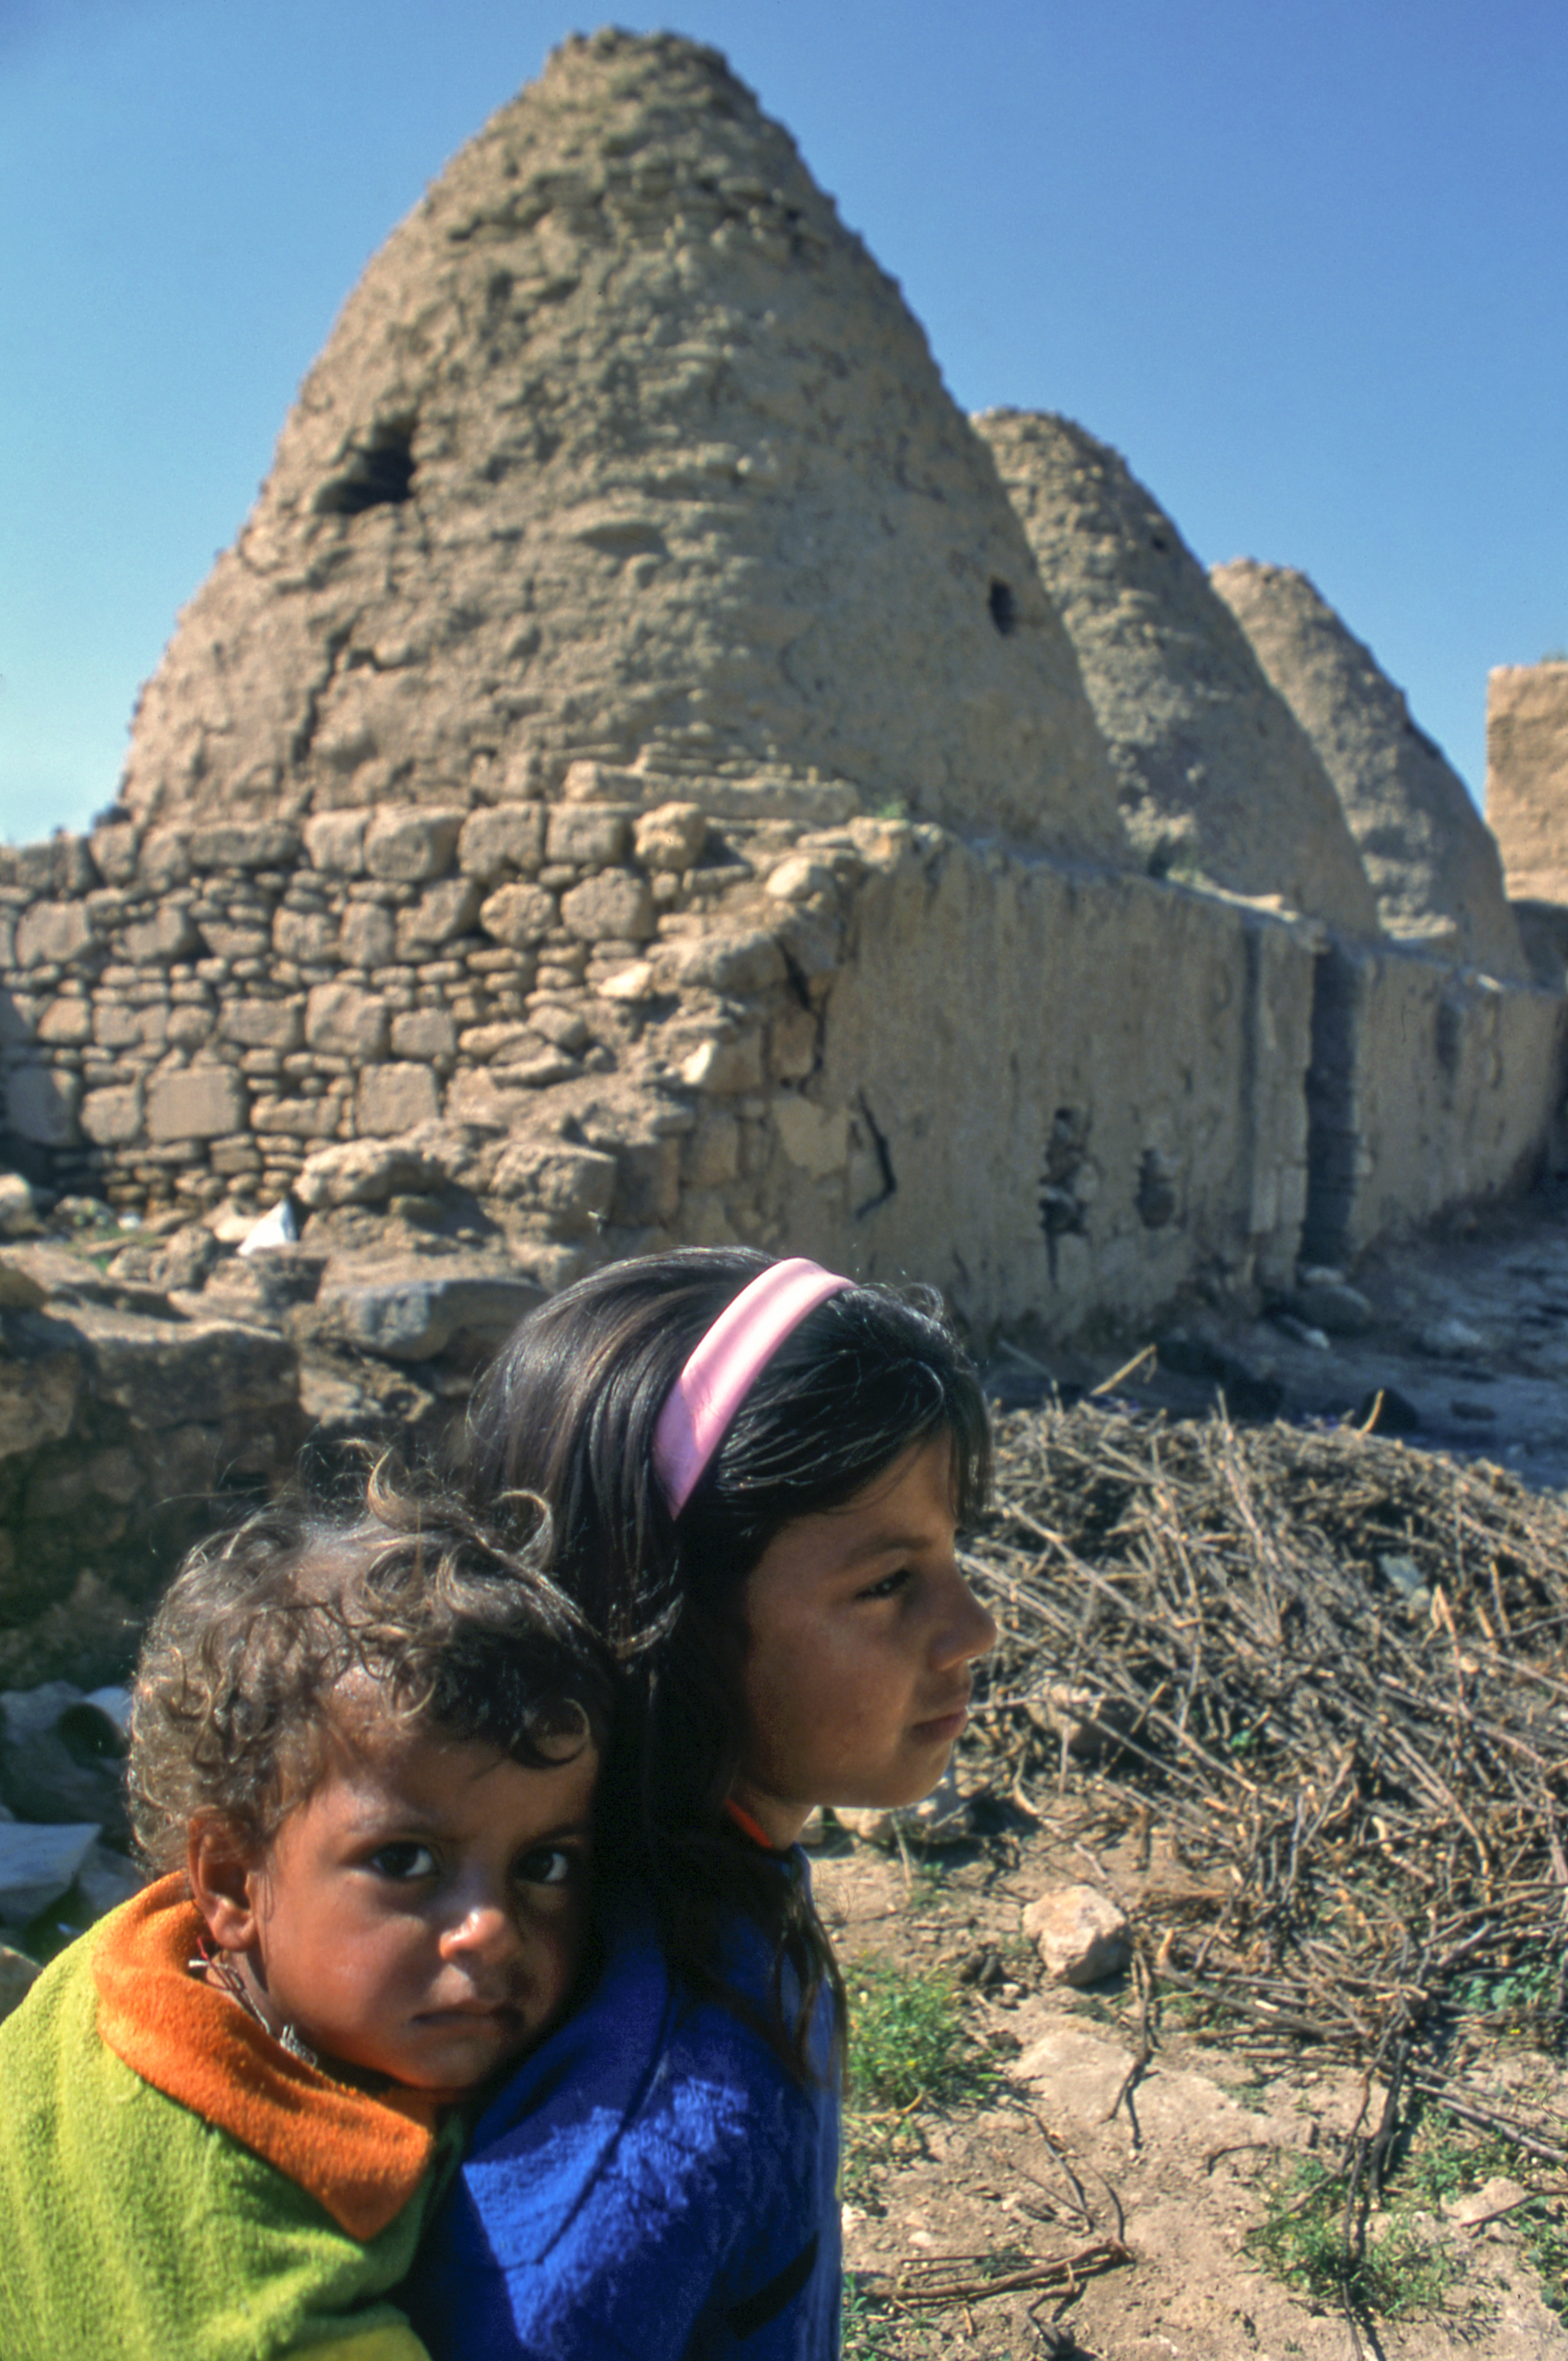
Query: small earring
x,y
216,1968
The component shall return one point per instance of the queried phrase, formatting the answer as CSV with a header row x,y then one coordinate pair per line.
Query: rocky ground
x,y
1032,2161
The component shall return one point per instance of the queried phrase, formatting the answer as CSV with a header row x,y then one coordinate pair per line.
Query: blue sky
x,y
1304,265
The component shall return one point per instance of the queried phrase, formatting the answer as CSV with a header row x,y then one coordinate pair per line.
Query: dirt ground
x,y
1039,2163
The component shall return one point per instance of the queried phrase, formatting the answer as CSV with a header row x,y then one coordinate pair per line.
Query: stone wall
x,y
1126,1119
1059,1091
1527,777
191,1013
1430,1087
1053,1089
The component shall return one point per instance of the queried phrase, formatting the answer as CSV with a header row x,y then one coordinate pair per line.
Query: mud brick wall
x,y
1527,777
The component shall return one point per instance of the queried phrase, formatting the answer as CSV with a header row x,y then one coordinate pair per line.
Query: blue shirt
x,y
652,2182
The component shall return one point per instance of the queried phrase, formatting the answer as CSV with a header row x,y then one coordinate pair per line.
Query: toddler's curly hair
x,y
409,1608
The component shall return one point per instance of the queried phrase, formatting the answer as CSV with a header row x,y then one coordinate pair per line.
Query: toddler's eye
x,y
888,1583
549,1866
404,1860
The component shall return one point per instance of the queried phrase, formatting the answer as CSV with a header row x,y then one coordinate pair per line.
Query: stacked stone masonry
x,y
194,1013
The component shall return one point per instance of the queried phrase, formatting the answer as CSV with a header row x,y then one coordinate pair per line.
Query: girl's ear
x,y
220,1870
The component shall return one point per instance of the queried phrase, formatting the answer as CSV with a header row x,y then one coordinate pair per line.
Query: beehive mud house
x,y
650,765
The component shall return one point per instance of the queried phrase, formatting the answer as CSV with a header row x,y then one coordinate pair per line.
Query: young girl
x,y
364,1753
754,1472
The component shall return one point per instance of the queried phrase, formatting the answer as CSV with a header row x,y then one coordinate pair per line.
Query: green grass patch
x,y
927,1881
1546,2244
1521,1994
910,2049
1302,2240
1441,2161
868,2324
1444,2160
907,2037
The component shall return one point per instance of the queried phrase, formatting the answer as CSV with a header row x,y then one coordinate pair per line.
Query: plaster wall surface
x,y
1214,774
1083,1093
1430,1087
1430,859
1527,777
624,449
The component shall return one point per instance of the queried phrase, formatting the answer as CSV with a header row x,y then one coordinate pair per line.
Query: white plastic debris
x,y
280,1227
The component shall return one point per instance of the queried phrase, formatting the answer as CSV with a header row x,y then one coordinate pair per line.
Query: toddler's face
x,y
422,1915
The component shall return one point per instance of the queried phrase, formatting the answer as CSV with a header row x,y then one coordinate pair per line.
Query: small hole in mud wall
x,y
1004,613
378,474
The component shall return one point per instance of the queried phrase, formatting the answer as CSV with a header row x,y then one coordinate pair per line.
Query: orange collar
x,y
360,2158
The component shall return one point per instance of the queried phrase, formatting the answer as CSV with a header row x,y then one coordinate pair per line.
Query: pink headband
x,y
725,1366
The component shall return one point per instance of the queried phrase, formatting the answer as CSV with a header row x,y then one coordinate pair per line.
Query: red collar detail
x,y
750,1827
360,2158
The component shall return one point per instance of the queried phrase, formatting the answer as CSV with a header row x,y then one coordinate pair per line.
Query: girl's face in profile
x,y
422,1915
860,1630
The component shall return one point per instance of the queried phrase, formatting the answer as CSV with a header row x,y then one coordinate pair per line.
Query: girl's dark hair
x,y
567,1413
243,1668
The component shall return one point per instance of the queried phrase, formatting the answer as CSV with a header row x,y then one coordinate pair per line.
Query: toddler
x,y
363,1758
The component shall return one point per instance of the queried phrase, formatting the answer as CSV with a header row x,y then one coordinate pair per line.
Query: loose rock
x,y
59,1757
1080,1934
37,1865
1452,1340
942,1817
106,1879
18,1214
410,1317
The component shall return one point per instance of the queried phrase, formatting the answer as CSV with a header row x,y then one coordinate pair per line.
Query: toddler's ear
x,y
219,1869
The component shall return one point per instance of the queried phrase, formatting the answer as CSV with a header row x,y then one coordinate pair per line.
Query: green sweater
x,y
133,2228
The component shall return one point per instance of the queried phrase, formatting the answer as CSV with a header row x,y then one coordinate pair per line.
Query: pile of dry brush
x,y
1335,1670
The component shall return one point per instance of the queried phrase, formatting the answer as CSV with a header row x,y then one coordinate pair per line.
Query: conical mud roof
x,y
624,449
1432,861
1214,775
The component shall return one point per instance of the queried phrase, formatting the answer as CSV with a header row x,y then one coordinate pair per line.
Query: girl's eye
x,y
404,1860
548,1866
888,1583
